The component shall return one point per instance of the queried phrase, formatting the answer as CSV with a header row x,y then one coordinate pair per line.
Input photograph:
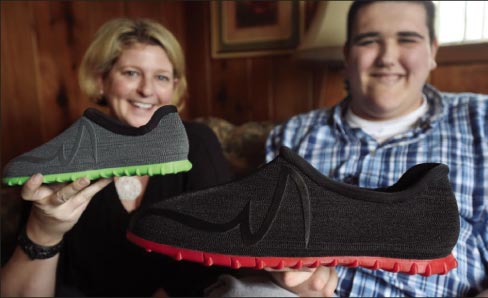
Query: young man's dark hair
x,y
358,4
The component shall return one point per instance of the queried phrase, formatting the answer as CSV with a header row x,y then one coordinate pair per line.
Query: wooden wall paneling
x,y
168,13
230,90
198,58
461,78
462,53
319,82
260,94
174,19
240,89
73,38
20,105
292,88
332,87
58,79
327,83
88,16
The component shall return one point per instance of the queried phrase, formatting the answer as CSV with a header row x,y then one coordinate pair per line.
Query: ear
x,y
100,84
433,48
175,83
345,52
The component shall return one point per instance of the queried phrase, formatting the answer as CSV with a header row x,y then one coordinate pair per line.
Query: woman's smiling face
x,y
140,82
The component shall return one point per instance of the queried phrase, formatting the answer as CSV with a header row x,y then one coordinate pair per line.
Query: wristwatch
x,y
36,251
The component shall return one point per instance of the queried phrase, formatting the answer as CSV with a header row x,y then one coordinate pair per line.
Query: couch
x,y
243,145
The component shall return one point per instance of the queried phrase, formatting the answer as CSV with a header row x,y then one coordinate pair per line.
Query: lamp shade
x,y
327,33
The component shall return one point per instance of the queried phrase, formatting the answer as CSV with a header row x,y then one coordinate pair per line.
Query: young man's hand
x,y
316,282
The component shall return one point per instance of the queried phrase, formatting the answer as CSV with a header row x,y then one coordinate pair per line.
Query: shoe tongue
x,y
291,155
91,112
296,160
162,111
285,151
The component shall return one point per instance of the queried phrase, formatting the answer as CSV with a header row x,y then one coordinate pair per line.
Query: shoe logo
x,y
63,154
242,220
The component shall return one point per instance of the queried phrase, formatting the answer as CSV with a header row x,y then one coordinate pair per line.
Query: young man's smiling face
x,y
389,59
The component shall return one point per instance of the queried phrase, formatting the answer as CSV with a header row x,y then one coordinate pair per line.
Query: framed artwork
x,y
254,28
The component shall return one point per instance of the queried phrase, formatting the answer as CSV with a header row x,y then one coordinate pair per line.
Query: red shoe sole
x,y
409,266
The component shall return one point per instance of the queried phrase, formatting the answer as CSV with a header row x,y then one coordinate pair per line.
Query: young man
x,y
390,121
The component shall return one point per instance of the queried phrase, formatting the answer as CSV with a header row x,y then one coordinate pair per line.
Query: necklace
x,y
128,188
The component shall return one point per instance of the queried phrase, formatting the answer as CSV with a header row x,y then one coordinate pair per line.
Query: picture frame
x,y
255,28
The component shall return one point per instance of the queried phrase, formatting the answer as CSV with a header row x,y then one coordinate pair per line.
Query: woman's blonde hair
x,y
116,35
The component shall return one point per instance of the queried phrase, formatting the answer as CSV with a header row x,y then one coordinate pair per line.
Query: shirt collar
x,y
436,109
435,112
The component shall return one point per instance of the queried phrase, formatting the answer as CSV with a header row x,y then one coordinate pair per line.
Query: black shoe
x,y
99,146
287,214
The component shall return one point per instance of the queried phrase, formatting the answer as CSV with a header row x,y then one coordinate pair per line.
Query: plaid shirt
x,y
454,131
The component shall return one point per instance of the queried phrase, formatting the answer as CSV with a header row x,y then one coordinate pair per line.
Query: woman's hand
x,y
57,207
316,282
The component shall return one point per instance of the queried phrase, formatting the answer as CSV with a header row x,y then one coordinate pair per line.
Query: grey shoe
x,y
98,146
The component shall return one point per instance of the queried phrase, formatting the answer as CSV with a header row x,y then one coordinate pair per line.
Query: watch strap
x,y
36,251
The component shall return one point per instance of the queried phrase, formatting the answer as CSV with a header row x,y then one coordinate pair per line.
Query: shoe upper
x,y
287,208
97,141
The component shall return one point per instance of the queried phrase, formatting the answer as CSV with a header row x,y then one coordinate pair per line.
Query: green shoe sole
x,y
141,170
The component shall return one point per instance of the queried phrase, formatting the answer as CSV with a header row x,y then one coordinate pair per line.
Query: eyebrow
x,y
365,35
377,34
410,34
162,70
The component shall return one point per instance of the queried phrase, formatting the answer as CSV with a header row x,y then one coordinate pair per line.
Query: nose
x,y
388,54
145,87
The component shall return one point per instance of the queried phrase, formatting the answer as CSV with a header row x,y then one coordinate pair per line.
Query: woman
x,y
134,67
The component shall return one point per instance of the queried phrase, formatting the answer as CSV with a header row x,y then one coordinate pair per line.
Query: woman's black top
x,y
98,260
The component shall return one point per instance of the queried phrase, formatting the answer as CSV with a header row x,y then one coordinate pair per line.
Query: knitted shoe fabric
x,y
97,145
287,214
